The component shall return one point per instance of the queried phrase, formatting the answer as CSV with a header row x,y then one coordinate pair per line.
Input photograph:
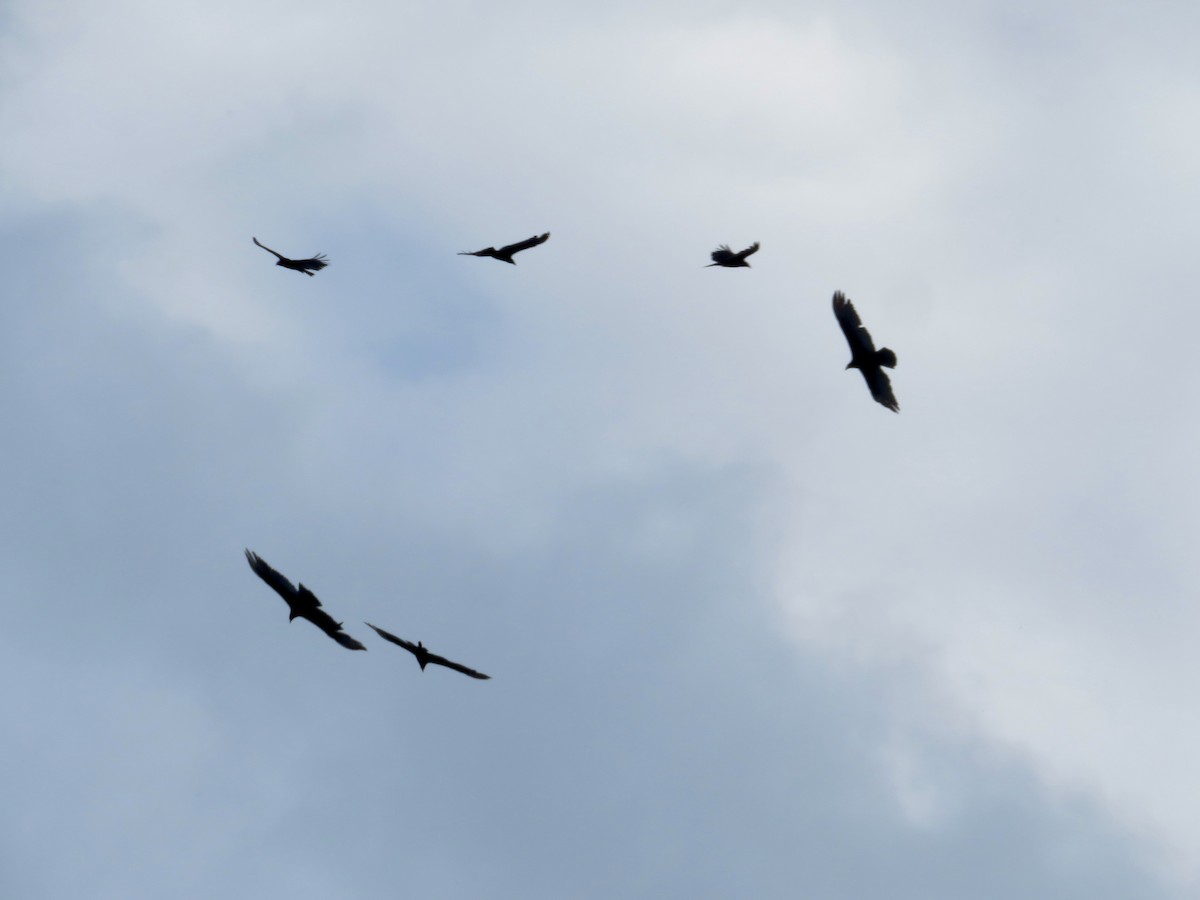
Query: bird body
x,y
723,256
316,264
302,603
863,355
505,253
424,657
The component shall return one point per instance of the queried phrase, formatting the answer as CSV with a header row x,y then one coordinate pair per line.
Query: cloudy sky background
x,y
750,633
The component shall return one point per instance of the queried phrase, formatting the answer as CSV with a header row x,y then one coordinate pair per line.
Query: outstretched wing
x,y
510,249
486,251
458,667
268,249
749,251
857,337
388,636
317,263
723,255
281,585
325,622
881,387
346,640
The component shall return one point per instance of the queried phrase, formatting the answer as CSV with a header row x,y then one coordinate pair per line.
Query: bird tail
x,y
886,357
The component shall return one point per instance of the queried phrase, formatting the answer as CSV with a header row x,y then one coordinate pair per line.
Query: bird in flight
x,y
863,355
723,256
424,657
505,253
302,602
316,264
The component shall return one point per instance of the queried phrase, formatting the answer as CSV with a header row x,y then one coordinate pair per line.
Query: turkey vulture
x,y
424,657
723,256
506,252
863,355
317,263
302,602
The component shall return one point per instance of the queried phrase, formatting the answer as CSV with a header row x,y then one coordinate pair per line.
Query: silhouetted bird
x,y
863,355
424,657
505,253
723,256
317,263
302,602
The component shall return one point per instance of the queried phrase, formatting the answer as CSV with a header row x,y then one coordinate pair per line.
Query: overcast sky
x,y
751,634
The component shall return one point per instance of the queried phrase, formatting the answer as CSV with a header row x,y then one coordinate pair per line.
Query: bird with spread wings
x,y
505,253
316,264
863,355
723,256
302,602
424,657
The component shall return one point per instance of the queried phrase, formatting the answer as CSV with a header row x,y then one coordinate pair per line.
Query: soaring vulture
x,y
302,602
505,253
424,657
863,355
723,256
317,263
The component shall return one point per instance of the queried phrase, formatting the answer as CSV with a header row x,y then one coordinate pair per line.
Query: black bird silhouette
x,y
424,657
723,256
505,253
317,263
863,355
302,602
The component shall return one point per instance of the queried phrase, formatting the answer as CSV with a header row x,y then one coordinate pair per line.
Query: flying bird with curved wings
x,y
302,602
316,264
424,657
723,256
505,253
863,355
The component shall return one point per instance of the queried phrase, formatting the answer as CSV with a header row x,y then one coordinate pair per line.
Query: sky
x,y
750,634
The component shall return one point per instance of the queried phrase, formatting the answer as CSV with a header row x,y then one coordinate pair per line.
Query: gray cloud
x,y
751,635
